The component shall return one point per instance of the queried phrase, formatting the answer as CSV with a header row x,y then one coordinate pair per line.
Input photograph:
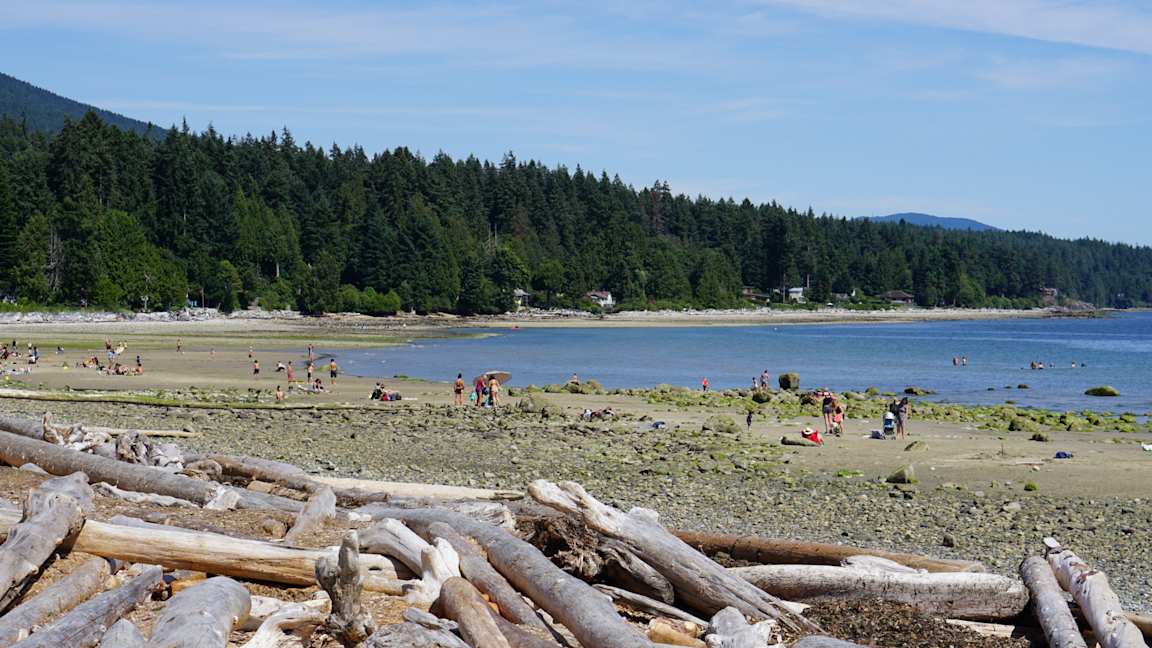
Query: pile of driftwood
x,y
576,572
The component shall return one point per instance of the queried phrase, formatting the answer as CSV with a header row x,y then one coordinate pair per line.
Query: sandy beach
x,y
970,500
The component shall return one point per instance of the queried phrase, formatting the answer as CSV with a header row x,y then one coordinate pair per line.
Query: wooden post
x,y
340,577
1049,605
86,624
201,616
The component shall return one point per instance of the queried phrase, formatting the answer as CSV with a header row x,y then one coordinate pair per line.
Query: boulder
x,y
720,423
913,390
903,475
1023,424
762,396
1102,390
789,381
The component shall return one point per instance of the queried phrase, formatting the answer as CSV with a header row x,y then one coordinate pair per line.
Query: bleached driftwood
x,y
52,513
438,563
80,584
177,548
1048,603
108,490
775,551
729,629
476,568
17,450
650,606
340,576
413,490
462,603
201,616
392,538
123,634
625,568
586,613
959,595
86,624
277,630
699,581
1034,636
878,564
820,641
321,506
494,513
1091,591
264,607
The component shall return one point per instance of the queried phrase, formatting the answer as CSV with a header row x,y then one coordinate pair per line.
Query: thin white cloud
x,y
1055,73
1093,23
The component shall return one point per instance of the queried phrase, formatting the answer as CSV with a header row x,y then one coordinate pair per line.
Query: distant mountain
x,y
928,220
46,111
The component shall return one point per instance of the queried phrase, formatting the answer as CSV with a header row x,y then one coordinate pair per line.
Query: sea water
x,y
1077,353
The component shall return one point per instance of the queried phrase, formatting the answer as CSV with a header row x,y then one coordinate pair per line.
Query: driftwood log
x,y
86,624
729,629
201,616
960,595
52,513
177,548
649,606
18,450
699,581
78,586
1048,603
320,507
274,631
586,613
625,568
123,634
773,551
1091,591
820,641
462,603
476,568
340,576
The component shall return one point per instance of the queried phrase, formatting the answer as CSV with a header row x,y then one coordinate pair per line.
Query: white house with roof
x,y
601,298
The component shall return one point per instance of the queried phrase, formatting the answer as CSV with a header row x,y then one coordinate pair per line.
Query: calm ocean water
x,y
1116,351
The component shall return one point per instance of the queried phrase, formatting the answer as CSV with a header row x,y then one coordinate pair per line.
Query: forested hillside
x,y
43,110
101,216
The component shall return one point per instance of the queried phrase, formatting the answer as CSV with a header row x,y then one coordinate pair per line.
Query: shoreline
x,y
258,319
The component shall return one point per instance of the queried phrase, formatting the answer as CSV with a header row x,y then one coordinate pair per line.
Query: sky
x,y
1025,114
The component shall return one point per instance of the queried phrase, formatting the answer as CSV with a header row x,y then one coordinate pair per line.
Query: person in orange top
x,y
704,383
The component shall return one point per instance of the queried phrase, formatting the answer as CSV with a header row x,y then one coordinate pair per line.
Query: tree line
x,y
99,216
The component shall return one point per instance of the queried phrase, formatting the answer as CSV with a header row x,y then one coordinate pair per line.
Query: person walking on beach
x,y
255,367
903,409
704,384
828,409
458,390
311,371
179,345
289,373
748,420
333,371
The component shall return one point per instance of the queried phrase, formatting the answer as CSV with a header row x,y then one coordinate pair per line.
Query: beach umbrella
x,y
502,376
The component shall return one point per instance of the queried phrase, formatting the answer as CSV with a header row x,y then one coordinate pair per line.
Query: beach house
x,y
601,298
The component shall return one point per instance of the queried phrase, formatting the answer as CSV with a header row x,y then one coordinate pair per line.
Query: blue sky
x,y
1027,114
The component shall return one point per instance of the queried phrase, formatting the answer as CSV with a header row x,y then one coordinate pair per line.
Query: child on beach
x,y
255,367
333,371
279,394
